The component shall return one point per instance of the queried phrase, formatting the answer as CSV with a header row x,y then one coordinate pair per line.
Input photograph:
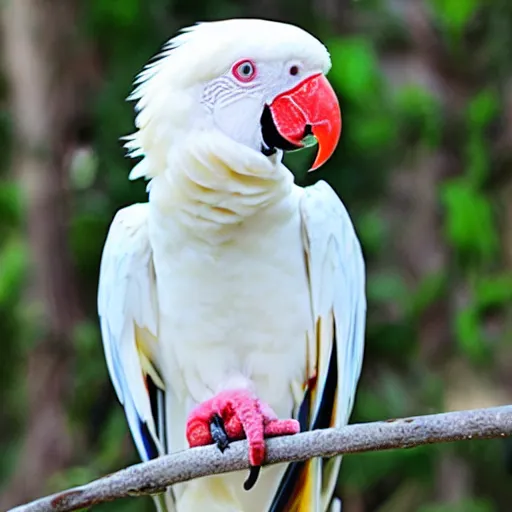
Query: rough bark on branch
x,y
154,476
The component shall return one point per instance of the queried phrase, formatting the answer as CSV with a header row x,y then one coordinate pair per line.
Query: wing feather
x,y
336,273
128,311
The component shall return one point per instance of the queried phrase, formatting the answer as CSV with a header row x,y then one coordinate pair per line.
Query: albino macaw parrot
x,y
232,304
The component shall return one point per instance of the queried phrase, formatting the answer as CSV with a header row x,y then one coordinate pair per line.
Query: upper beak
x,y
312,102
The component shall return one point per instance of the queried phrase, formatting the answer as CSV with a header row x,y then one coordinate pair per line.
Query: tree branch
x,y
154,476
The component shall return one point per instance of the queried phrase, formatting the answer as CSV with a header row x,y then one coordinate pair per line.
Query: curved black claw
x,y
221,439
218,432
254,473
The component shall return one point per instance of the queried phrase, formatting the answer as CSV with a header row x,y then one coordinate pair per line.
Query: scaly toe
x,y
198,433
275,428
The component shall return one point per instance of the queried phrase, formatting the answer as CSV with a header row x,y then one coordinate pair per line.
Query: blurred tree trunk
x,y
40,50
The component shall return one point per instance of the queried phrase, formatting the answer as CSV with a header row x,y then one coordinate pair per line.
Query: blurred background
x,y
424,167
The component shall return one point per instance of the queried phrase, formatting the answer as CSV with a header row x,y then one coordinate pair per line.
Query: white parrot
x,y
232,304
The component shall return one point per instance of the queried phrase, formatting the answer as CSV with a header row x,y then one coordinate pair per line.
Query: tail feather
x,y
336,505
164,502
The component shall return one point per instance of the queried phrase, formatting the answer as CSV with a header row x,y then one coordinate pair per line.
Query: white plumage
x,y
231,276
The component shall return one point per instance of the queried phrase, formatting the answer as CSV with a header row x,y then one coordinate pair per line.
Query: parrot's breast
x,y
238,313
232,315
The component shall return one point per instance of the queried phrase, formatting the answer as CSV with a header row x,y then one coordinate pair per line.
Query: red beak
x,y
312,102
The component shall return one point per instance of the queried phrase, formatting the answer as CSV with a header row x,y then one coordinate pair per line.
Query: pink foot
x,y
243,415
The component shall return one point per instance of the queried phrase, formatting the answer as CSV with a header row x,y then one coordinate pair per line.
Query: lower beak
x,y
311,103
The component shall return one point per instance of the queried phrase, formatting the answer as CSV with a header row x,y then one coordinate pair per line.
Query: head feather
x,y
166,90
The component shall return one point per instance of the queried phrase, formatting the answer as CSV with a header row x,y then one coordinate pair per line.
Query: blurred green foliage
x,y
420,169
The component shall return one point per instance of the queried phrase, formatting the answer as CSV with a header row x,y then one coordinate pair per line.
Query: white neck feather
x,y
212,185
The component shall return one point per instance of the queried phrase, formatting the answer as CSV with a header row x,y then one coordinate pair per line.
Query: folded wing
x,y
337,287
128,311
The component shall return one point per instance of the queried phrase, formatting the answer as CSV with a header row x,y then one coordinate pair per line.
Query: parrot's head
x,y
260,84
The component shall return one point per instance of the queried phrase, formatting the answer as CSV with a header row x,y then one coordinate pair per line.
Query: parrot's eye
x,y
244,71
294,70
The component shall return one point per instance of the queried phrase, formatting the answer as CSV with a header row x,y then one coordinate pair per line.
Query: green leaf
x,y
466,505
483,108
427,292
467,330
10,203
470,225
455,14
115,12
419,107
355,69
372,131
13,264
494,291
373,230
478,159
